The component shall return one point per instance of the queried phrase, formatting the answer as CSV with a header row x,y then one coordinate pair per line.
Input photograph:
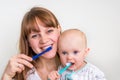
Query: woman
x,y
39,30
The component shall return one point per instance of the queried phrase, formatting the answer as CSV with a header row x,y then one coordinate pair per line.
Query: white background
x,y
99,19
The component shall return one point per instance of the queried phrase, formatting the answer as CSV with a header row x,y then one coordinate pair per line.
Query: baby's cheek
x,y
63,60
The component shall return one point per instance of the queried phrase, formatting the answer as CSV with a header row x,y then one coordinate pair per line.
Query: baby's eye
x,y
75,52
64,52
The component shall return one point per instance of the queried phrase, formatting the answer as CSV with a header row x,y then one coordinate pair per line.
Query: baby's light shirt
x,y
88,72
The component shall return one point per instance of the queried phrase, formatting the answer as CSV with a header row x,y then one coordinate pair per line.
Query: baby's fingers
x,y
53,75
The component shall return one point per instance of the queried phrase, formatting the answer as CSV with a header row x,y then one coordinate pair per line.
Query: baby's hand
x,y
54,75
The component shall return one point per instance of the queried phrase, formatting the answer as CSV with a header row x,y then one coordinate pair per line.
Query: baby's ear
x,y
86,52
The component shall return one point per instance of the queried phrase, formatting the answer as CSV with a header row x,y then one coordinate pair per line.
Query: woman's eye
x,y
49,31
33,36
64,52
75,52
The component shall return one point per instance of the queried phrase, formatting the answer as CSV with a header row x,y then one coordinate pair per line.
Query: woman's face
x,y
47,36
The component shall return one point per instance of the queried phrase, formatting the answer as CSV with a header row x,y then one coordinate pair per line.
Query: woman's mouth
x,y
45,47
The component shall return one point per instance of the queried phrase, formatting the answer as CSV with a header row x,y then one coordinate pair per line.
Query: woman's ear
x,y
86,52
59,28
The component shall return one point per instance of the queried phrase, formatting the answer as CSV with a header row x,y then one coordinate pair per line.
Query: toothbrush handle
x,y
63,69
36,56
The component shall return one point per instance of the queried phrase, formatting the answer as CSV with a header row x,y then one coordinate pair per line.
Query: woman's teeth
x,y
46,47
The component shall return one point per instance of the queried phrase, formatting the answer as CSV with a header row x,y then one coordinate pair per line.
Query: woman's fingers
x,y
17,63
21,59
23,56
19,69
24,62
21,66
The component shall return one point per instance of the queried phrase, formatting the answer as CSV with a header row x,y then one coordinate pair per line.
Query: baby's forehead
x,y
73,33
73,36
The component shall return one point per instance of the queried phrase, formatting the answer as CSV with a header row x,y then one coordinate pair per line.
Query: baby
x,y
72,48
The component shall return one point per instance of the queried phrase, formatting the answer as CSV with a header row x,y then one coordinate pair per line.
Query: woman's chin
x,y
49,55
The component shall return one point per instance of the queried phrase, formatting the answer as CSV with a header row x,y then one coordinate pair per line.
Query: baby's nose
x,y
69,56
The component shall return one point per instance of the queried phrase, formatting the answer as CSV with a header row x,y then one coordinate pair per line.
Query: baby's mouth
x,y
72,64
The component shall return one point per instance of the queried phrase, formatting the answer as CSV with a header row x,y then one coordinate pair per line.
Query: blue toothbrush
x,y
38,55
65,68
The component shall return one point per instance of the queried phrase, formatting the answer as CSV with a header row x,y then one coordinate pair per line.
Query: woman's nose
x,y
44,39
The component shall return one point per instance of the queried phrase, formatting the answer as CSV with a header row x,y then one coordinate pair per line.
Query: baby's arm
x,y
54,75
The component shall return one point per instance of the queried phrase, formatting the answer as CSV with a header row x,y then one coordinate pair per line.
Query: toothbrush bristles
x,y
68,64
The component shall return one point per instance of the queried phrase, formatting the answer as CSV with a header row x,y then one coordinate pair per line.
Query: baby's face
x,y
72,49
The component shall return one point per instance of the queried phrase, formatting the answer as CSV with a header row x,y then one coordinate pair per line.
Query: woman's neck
x,y
48,64
45,66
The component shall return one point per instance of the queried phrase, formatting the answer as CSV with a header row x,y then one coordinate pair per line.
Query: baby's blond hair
x,y
75,32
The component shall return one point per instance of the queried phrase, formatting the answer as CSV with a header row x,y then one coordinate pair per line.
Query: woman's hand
x,y
15,65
